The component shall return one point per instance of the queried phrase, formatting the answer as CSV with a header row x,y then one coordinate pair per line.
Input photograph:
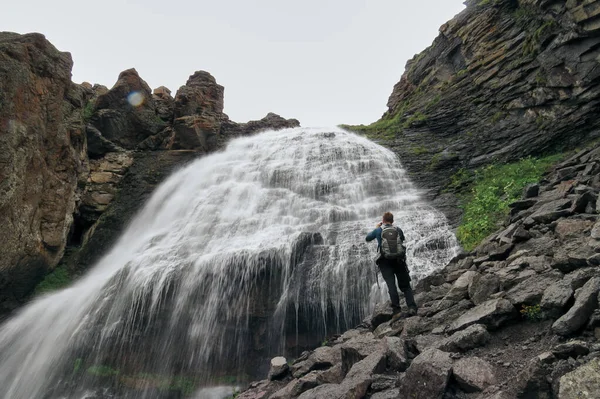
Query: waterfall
x,y
255,251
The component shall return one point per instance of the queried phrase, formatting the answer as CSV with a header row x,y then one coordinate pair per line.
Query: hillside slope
x,y
503,80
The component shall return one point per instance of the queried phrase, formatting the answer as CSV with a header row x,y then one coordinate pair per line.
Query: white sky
x,y
324,62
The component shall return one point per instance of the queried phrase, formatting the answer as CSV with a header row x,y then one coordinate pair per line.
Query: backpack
x,y
391,244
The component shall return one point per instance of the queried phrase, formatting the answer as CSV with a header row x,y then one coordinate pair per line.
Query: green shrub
x,y
492,189
57,279
533,313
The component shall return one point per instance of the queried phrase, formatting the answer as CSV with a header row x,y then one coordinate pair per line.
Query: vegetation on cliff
x,y
487,192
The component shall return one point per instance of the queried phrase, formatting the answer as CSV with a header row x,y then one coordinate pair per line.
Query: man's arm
x,y
401,234
373,235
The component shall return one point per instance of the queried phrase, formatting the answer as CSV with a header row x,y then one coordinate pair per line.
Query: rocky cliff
x,y
519,317
43,163
503,80
70,151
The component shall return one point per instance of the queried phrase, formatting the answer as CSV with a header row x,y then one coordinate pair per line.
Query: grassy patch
x,y
491,190
57,279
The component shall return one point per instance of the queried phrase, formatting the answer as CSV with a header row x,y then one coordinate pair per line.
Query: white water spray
x,y
239,256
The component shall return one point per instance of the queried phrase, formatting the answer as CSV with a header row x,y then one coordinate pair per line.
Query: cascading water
x,y
252,252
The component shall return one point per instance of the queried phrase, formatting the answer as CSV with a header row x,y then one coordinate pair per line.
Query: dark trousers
x,y
393,270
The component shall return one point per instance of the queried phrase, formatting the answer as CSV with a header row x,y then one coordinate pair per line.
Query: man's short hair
x,y
388,217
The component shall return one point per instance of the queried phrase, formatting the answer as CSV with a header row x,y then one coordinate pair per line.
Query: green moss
x,y
493,188
496,117
57,279
419,150
416,118
88,111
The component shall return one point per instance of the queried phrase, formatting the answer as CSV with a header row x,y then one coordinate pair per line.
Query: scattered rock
x,y
465,340
585,304
572,349
473,374
492,313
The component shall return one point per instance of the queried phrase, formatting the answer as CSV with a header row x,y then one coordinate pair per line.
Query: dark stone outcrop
x,y
43,162
503,80
126,114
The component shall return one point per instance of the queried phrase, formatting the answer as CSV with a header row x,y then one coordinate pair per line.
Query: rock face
x,y
43,160
198,112
503,80
126,114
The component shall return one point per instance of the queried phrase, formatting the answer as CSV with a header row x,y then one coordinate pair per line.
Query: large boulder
x,y
586,302
43,162
428,376
465,340
473,374
492,314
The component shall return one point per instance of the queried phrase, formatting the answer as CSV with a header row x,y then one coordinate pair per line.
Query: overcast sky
x,y
324,62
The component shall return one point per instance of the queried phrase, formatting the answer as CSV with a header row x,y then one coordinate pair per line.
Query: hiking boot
x,y
412,312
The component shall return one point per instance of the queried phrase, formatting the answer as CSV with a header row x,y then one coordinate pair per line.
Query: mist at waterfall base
x,y
242,255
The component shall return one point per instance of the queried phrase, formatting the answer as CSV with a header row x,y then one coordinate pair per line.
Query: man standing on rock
x,y
392,262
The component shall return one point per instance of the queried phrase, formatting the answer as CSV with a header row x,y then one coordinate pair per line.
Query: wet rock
x,y
584,382
389,328
585,303
357,349
279,368
297,386
473,374
482,287
383,312
270,122
428,375
492,313
356,382
320,359
333,375
465,340
397,358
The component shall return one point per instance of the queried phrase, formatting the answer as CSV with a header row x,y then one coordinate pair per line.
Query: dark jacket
x,y
376,234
